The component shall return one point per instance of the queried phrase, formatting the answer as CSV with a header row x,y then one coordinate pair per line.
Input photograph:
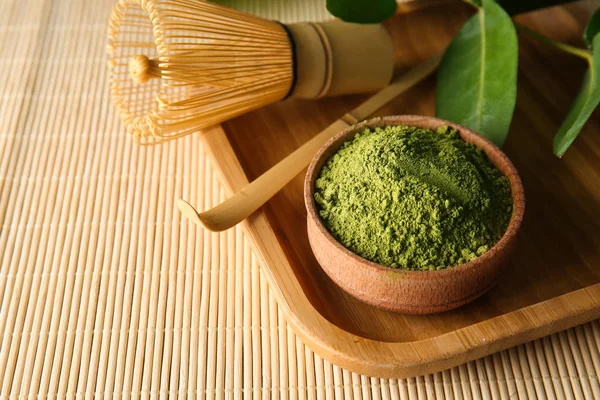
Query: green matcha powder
x,y
412,198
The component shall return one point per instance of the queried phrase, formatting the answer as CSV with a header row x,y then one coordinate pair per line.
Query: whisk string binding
x,y
294,61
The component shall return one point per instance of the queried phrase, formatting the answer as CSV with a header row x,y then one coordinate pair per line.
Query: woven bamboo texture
x,y
106,291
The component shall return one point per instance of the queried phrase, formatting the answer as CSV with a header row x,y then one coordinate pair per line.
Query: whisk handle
x,y
335,58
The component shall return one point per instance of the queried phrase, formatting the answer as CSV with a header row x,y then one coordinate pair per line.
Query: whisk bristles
x,y
211,63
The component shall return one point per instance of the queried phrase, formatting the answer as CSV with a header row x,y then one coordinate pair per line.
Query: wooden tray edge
x,y
381,359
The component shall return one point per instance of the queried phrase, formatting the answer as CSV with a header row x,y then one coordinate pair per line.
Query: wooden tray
x,y
555,280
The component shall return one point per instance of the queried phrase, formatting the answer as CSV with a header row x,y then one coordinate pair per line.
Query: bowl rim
x,y
499,159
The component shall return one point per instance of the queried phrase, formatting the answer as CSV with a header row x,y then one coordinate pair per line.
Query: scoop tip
x,y
188,211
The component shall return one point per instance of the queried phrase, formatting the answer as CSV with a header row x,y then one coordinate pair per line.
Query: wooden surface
x,y
554,280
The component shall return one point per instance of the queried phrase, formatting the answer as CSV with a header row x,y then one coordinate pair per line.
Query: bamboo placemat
x,y
105,290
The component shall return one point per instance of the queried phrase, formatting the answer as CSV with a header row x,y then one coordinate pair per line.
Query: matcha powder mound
x,y
413,198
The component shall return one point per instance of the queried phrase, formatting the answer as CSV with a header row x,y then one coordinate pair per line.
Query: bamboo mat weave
x,y
106,291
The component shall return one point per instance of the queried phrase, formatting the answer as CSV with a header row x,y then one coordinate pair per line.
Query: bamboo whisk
x,y
179,66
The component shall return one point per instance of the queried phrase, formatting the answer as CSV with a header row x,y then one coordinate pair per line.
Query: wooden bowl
x,y
413,292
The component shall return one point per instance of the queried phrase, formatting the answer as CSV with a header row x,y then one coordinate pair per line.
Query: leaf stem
x,y
561,46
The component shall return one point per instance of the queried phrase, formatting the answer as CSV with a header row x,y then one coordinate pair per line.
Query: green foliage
x,y
586,101
477,79
362,11
592,28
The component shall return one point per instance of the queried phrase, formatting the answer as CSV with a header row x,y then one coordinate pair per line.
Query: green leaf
x,y
585,103
592,28
362,11
477,79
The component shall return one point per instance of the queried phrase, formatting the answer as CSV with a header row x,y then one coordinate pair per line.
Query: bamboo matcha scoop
x,y
238,207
